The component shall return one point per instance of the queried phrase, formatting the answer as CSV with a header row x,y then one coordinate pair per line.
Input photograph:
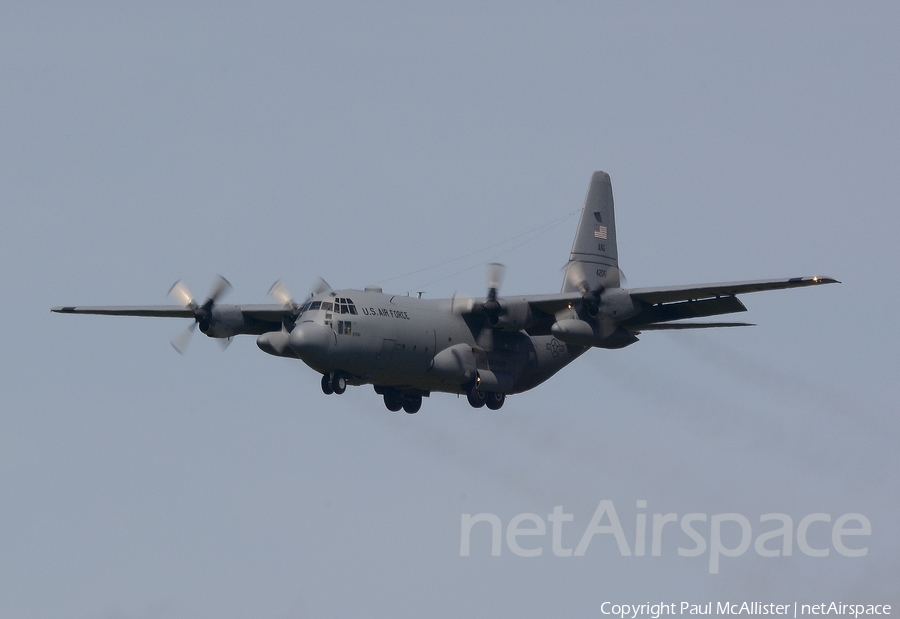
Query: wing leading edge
x,y
263,313
159,311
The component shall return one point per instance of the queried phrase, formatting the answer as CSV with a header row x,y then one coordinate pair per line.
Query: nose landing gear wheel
x,y
327,389
334,382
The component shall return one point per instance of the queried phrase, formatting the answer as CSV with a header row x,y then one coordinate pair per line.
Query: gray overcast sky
x,y
143,143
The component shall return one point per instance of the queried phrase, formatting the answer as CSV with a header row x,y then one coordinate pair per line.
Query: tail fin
x,y
594,260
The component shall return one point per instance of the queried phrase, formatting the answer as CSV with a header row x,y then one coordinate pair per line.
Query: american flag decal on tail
x,y
600,232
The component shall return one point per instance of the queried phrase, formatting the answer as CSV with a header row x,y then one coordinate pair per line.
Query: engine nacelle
x,y
515,315
225,321
617,303
602,334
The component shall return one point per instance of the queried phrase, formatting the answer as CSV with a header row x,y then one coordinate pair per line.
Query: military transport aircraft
x,y
486,348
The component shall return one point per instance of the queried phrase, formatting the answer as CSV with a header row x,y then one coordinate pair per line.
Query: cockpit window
x,y
344,305
326,306
315,305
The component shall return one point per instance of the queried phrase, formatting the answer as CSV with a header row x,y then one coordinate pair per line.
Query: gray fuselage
x,y
412,343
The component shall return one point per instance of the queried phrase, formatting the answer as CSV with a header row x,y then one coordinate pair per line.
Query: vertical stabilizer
x,y
594,261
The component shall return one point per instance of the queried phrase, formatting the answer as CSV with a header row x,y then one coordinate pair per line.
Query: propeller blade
x,y
576,277
180,294
496,271
461,303
280,293
485,339
180,342
613,278
319,287
220,287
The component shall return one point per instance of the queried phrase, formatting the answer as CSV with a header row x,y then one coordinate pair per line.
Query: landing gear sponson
x,y
410,400
491,399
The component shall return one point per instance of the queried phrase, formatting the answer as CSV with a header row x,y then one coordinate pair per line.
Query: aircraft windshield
x,y
344,306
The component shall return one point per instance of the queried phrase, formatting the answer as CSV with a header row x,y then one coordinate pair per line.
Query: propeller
x,y
202,313
591,296
279,291
490,309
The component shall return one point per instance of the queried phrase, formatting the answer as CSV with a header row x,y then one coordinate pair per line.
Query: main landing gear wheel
x,y
476,398
495,400
327,389
393,401
412,404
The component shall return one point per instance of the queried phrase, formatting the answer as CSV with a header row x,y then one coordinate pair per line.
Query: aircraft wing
x,y
266,312
161,311
670,303
660,307
272,313
669,294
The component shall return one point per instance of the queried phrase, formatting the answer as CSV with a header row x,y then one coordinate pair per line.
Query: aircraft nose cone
x,y
310,341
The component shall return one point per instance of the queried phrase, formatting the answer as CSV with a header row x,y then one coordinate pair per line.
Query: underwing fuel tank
x,y
583,333
276,343
456,364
